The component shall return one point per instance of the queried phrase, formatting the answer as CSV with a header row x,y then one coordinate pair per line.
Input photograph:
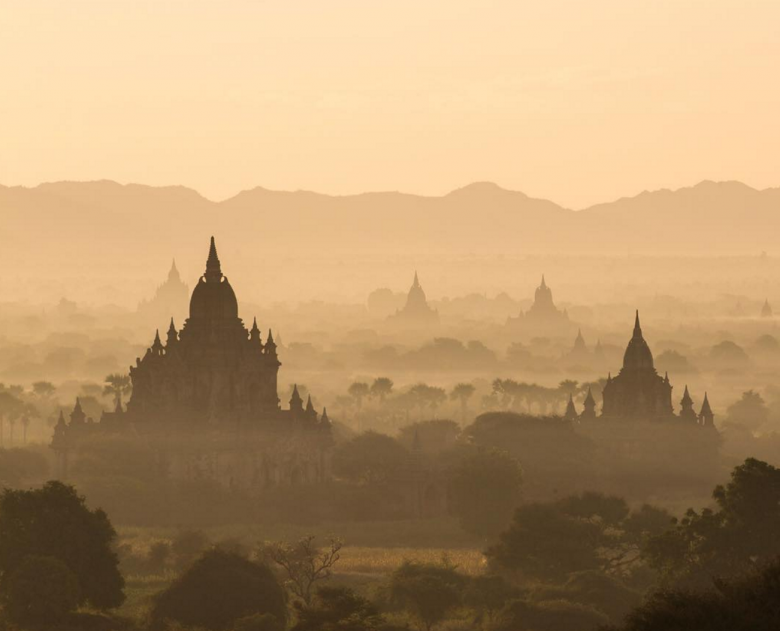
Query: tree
x,y
40,591
338,609
487,595
219,589
741,603
304,563
369,458
750,411
736,537
359,391
381,388
433,436
462,392
485,490
116,386
83,541
43,389
590,531
427,592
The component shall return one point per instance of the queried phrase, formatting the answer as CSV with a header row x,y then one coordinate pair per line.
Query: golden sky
x,y
579,101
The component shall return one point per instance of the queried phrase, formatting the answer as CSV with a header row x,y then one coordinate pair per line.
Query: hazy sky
x,y
579,101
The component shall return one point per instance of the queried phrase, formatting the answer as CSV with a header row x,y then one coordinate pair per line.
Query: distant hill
x,y
83,224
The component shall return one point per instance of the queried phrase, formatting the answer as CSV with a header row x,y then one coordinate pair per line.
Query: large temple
x,y
214,378
638,392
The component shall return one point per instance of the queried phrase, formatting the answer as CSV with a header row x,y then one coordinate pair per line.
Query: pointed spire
x,y
77,407
213,266
686,399
416,282
157,344
61,419
270,345
324,419
571,411
173,336
589,398
637,326
310,408
705,406
296,403
173,274
544,284
254,332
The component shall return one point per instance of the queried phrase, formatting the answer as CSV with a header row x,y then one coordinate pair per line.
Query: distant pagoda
x,y
170,298
416,311
543,316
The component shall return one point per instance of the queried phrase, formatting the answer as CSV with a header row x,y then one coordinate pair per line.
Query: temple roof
x,y
638,355
213,297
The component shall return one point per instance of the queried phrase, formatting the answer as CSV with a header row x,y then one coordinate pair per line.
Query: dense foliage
x,y
217,590
54,522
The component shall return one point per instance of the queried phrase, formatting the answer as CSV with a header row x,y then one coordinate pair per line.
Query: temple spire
x,y
213,266
172,334
544,284
416,282
637,326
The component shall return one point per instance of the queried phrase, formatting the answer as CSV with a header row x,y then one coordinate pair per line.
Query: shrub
x,y
217,590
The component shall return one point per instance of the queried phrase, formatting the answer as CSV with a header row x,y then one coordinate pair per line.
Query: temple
x,y
766,310
213,377
213,370
170,299
542,316
638,392
416,311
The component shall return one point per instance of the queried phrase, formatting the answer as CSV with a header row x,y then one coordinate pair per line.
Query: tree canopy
x,y
217,590
82,543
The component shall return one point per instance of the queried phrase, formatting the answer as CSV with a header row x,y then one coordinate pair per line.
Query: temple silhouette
x,y
214,378
416,311
638,392
543,316
170,298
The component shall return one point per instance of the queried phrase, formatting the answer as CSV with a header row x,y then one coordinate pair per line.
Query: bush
x,y
552,615
218,590
42,590
428,592
54,521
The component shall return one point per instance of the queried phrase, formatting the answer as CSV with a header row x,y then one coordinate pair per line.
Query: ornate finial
x,y
77,407
637,326
416,282
173,274
213,267
309,405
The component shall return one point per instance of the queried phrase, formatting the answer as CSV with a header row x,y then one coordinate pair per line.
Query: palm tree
x,y
359,391
25,425
117,385
463,392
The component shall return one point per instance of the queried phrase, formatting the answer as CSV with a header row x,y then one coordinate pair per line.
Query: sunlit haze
x,y
578,102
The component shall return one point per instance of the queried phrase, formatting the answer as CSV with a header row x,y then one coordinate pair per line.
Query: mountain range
x,y
108,222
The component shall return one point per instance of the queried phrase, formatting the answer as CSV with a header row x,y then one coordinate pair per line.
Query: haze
x,y
578,102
